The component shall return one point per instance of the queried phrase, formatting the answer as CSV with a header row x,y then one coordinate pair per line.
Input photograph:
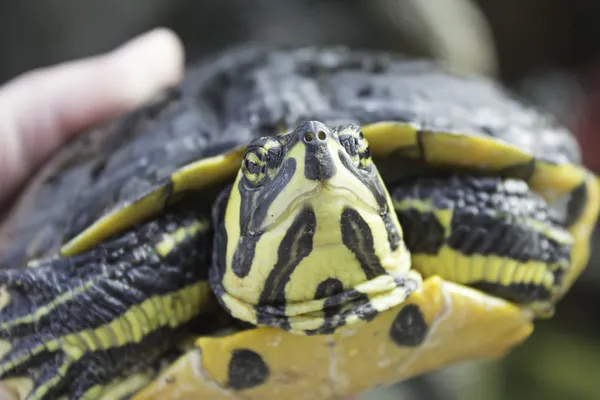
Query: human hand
x,y
42,109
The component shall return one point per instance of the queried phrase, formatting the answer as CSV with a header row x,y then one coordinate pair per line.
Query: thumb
x,y
39,110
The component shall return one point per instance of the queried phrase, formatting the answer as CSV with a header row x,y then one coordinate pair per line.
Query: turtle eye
x,y
357,148
254,165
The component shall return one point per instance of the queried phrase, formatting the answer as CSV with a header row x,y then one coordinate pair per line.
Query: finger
x,y
41,109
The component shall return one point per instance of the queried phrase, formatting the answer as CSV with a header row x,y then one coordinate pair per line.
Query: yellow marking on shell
x,y
171,240
482,153
329,257
117,221
208,171
387,137
487,154
196,175
552,181
354,358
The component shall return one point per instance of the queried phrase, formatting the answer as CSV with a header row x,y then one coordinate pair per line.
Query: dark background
x,y
547,50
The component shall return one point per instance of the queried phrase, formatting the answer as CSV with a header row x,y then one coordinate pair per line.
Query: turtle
x,y
291,222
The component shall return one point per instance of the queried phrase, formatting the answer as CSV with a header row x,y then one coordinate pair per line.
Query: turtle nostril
x,y
315,137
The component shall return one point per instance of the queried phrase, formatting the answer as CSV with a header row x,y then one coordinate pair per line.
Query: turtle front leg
x,y
490,233
74,324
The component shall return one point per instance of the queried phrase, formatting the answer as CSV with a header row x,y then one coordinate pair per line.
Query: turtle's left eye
x,y
254,165
357,148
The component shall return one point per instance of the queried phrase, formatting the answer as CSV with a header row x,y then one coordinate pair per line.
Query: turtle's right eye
x,y
356,147
254,165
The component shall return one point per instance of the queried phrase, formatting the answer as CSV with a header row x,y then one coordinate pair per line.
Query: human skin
x,y
42,109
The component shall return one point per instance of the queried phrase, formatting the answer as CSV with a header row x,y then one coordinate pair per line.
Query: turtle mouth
x,y
344,191
324,316
328,191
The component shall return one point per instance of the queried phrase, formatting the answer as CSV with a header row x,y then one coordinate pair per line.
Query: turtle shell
x,y
419,336
414,113
242,93
416,117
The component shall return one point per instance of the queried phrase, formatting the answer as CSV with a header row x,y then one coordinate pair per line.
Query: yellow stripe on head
x,y
316,226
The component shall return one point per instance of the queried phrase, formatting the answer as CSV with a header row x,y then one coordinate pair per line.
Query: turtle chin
x,y
326,262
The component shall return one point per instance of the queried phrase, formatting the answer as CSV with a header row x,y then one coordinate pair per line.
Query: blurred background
x,y
546,50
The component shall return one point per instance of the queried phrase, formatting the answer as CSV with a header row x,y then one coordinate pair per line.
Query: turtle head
x,y
313,170
312,239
